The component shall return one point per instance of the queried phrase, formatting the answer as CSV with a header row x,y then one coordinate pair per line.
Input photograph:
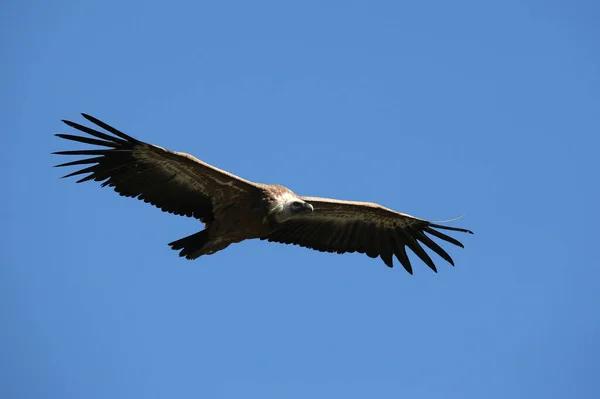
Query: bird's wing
x,y
172,181
349,226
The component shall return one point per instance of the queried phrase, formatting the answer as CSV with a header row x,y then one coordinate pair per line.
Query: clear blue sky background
x,y
433,108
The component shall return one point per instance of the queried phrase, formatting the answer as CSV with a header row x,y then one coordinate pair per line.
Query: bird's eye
x,y
297,204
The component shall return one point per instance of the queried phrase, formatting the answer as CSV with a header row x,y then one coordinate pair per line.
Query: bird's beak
x,y
309,207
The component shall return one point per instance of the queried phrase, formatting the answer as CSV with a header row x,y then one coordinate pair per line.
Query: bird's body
x,y
238,221
234,209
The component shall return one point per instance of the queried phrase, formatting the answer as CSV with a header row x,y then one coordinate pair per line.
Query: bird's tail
x,y
192,246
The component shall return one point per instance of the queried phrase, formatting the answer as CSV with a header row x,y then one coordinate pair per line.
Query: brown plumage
x,y
234,209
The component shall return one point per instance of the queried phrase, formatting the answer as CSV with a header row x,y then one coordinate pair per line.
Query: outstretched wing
x,y
349,226
172,181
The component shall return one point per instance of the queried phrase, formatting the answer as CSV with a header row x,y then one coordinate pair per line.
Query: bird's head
x,y
289,206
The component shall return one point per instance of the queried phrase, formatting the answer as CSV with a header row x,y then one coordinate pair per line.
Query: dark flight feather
x,y
181,184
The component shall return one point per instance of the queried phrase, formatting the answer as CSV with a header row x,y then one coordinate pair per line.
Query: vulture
x,y
233,209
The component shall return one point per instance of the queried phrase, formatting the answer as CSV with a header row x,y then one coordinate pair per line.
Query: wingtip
x,y
435,223
408,268
450,228
67,122
90,118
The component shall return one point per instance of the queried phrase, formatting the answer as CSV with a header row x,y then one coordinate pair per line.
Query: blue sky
x,y
433,108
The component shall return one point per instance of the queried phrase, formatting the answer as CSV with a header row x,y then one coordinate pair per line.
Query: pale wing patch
x,y
184,174
340,210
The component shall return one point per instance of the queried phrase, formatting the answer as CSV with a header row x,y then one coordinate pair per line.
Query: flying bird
x,y
234,209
